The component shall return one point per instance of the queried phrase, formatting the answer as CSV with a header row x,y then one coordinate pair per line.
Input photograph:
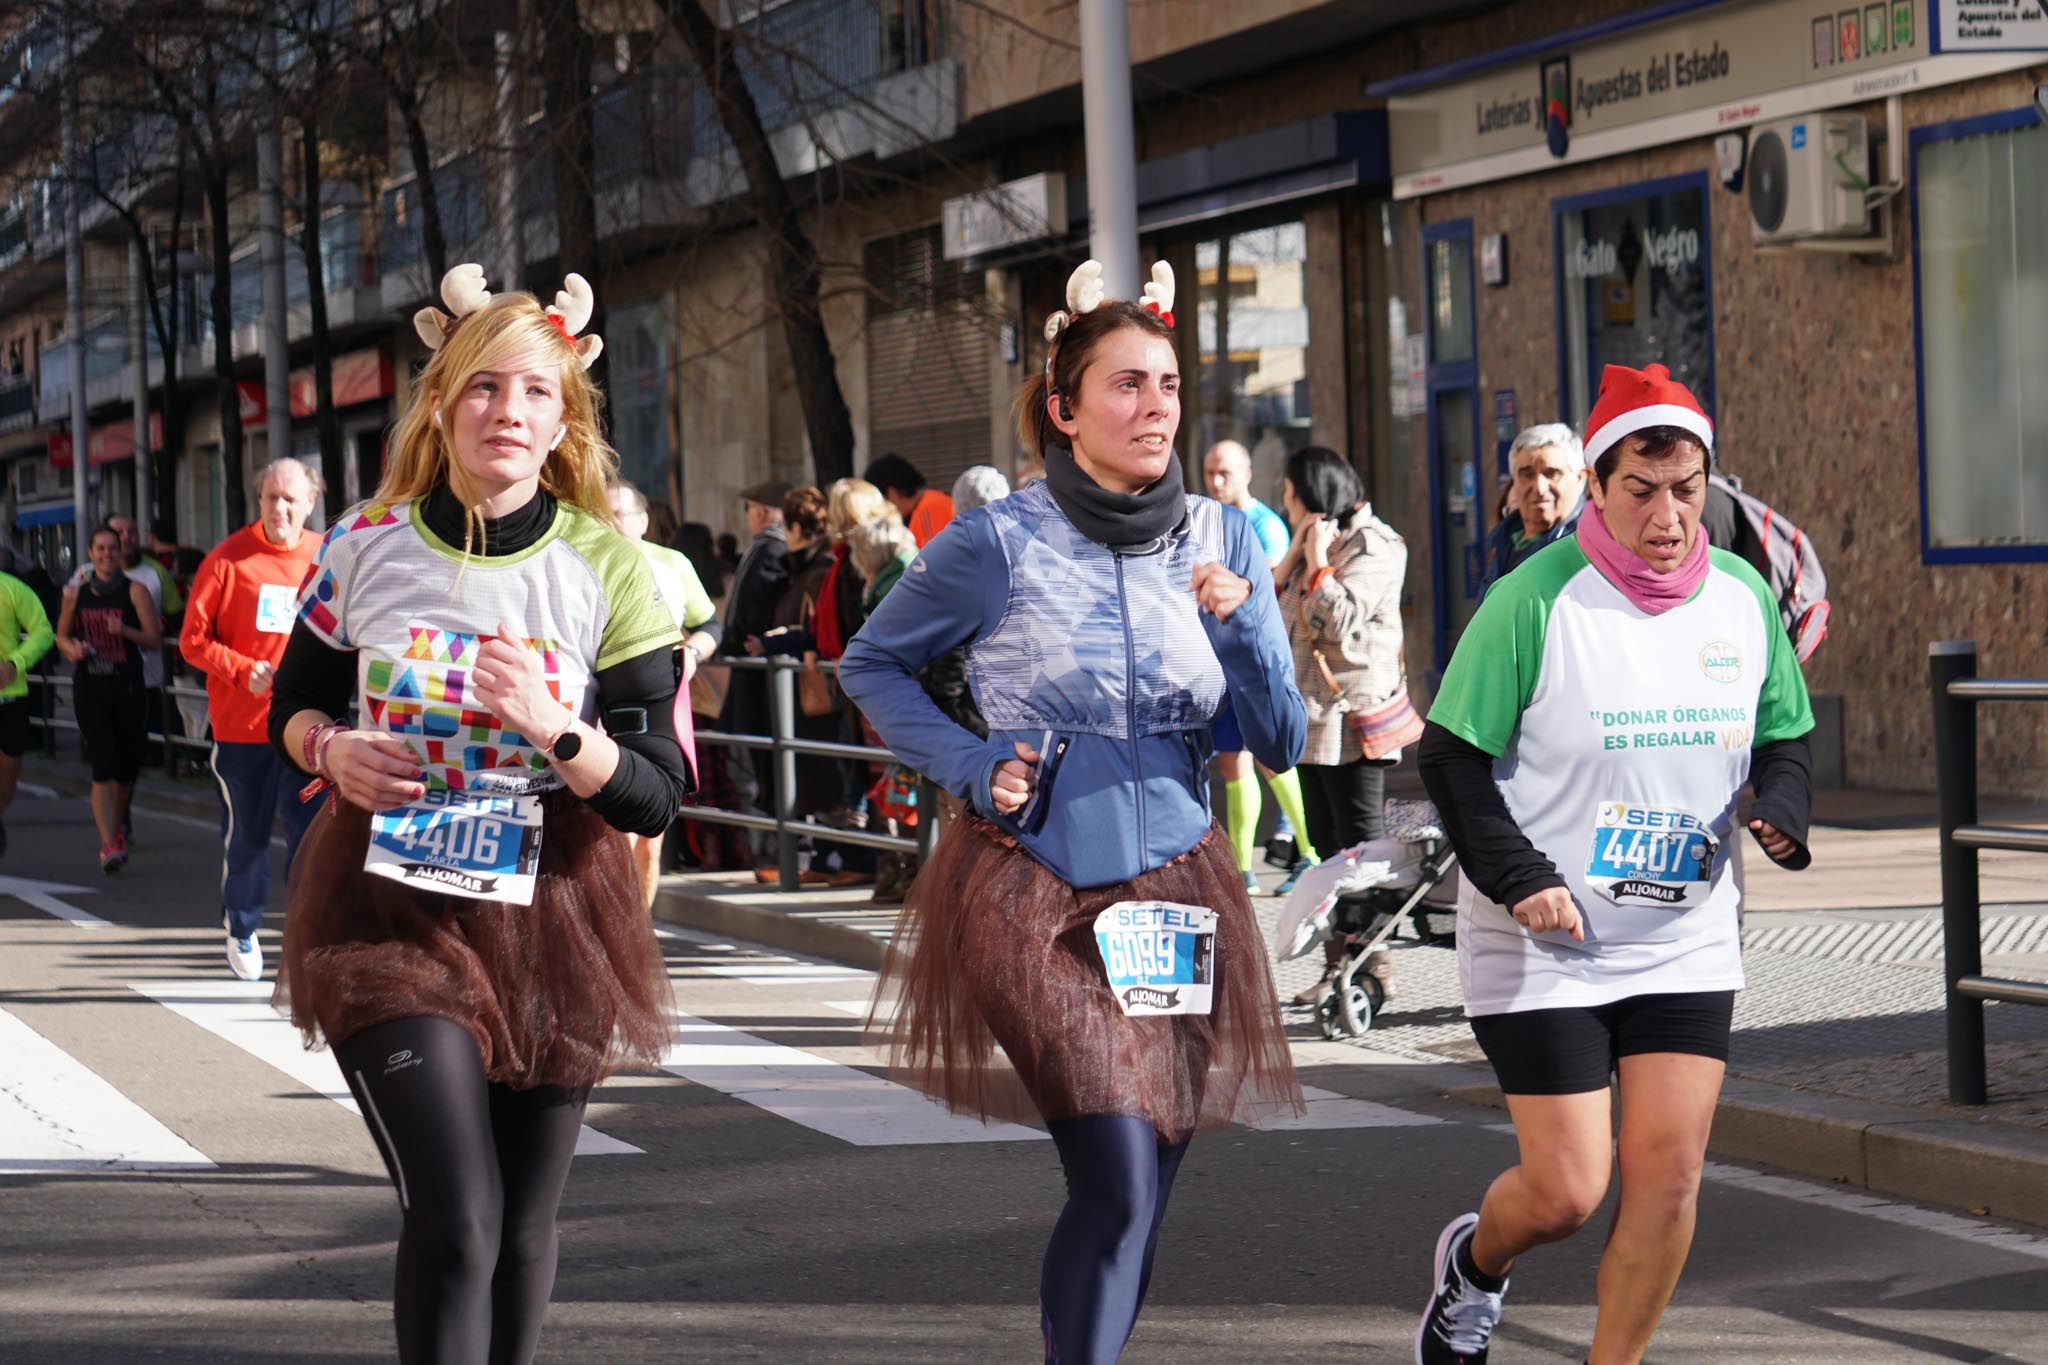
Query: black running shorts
x,y
14,727
1574,1050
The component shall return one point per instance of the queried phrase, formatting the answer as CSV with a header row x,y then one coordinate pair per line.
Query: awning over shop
x,y
45,514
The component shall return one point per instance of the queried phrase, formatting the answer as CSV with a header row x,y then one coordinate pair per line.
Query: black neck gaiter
x,y
1121,521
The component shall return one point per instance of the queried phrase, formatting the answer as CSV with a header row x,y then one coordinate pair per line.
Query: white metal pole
x,y
1112,166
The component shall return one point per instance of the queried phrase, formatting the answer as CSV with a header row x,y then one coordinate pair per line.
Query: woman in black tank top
x,y
106,622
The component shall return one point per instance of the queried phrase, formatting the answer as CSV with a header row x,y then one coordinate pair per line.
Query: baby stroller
x,y
1361,897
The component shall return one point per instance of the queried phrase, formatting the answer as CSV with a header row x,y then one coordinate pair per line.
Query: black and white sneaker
x,y
1461,1316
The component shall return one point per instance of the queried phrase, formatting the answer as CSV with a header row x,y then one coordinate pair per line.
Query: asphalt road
x,y
782,1201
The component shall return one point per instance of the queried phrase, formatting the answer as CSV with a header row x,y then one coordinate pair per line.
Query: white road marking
x,y
781,973
57,1114
838,1101
1328,1109
43,896
37,790
240,1013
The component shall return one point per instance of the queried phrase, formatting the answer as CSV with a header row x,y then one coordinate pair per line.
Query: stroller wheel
x,y
1357,1003
1328,1017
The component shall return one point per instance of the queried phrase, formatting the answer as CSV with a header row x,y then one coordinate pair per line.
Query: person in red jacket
x,y
244,599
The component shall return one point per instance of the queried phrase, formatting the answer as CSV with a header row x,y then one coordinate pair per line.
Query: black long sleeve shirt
x,y
647,788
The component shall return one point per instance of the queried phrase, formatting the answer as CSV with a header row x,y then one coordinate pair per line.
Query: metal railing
x,y
1952,668
783,742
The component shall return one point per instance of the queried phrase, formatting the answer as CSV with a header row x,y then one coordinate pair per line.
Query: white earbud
x,y
560,432
437,417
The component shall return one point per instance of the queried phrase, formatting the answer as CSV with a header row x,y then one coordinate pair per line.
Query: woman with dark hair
x,y
695,540
1104,612
1340,593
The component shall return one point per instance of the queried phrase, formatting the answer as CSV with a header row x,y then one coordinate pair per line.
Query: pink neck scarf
x,y
1654,592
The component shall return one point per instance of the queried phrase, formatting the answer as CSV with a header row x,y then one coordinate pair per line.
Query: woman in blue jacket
x,y
1105,612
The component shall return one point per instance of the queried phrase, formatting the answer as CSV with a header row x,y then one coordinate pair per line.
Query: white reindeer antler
x,y
1084,287
462,288
1158,295
570,313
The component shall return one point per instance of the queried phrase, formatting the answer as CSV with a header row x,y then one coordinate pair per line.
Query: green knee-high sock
x,y
1287,791
1241,806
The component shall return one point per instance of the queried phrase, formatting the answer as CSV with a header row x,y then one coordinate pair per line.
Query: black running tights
x,y
479,1169
1099,1262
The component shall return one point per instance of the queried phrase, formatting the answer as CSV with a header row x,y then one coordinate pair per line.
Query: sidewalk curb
x,y
1886,1149
769,917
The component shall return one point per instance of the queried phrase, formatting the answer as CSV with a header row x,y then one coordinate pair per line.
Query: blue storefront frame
x,y
2004,121
1438,377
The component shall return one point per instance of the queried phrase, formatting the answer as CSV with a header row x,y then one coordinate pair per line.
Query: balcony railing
x,y
17,402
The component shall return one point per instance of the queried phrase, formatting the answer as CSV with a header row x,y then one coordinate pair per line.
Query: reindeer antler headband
x,y
462,289
1084,295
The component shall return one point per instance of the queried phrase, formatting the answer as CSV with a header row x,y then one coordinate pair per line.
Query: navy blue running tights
x,y
1099,1262
479,1169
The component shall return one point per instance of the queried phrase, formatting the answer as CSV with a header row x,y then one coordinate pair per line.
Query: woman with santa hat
x,y
1600,717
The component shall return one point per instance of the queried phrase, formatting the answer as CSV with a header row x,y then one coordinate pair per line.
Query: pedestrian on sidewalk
x,y
1227,470
1597,722
880,551
695,617
1545,495
106,627
25,636
466,928
244,599
926,511
1088,792
757,585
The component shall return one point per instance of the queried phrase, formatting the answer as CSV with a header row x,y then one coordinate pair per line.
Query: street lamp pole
x,y
74,301
1112,168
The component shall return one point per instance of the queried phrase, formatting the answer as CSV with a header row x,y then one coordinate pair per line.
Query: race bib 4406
x,y
1160,957
1644,855
460,843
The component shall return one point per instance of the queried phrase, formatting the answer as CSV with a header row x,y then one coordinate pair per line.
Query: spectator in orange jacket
x,y
243,602
926,511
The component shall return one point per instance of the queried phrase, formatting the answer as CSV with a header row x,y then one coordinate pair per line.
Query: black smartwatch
x,y
567,745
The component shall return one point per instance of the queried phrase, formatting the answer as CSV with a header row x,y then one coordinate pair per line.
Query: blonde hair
x,y
851,502
511,325
875,542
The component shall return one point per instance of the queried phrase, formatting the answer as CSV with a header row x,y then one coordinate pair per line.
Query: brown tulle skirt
x,y
995,950
561,992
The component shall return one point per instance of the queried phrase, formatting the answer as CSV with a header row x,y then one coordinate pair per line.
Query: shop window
x,y
1633,287
1981,297
1252,316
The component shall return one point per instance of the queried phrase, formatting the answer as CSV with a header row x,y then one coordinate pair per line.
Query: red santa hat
x,y
1635,400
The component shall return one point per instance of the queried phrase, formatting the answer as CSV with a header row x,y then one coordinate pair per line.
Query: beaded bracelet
x,y
313,750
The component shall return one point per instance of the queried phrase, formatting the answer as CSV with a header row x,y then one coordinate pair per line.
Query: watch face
x,y
568,746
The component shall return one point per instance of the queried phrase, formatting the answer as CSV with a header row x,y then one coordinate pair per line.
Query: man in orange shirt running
x,y
925,510
243,601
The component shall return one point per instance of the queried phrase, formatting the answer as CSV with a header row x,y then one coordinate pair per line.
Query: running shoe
x,y
114,856
1251,885
1280,852
245,958
1286,887
1459,1322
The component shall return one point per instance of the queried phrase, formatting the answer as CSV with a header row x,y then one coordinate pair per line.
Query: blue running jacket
x,y
1103,650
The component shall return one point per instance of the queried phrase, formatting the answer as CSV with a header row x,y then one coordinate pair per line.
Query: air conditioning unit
x,y
1809,177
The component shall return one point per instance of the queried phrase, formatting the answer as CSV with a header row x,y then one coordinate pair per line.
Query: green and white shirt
x,y
1621,740
387,587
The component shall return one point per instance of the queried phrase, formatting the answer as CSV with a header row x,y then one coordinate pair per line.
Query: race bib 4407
x,y
1645,855
460,843
1160,957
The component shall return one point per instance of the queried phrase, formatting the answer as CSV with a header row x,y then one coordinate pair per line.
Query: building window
x,y
638,340
1252,316
930,336
1981,294
1633,288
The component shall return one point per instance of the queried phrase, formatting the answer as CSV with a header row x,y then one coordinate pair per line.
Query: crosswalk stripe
x,y
56,1114
1328,1109
240,1013
836,1100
